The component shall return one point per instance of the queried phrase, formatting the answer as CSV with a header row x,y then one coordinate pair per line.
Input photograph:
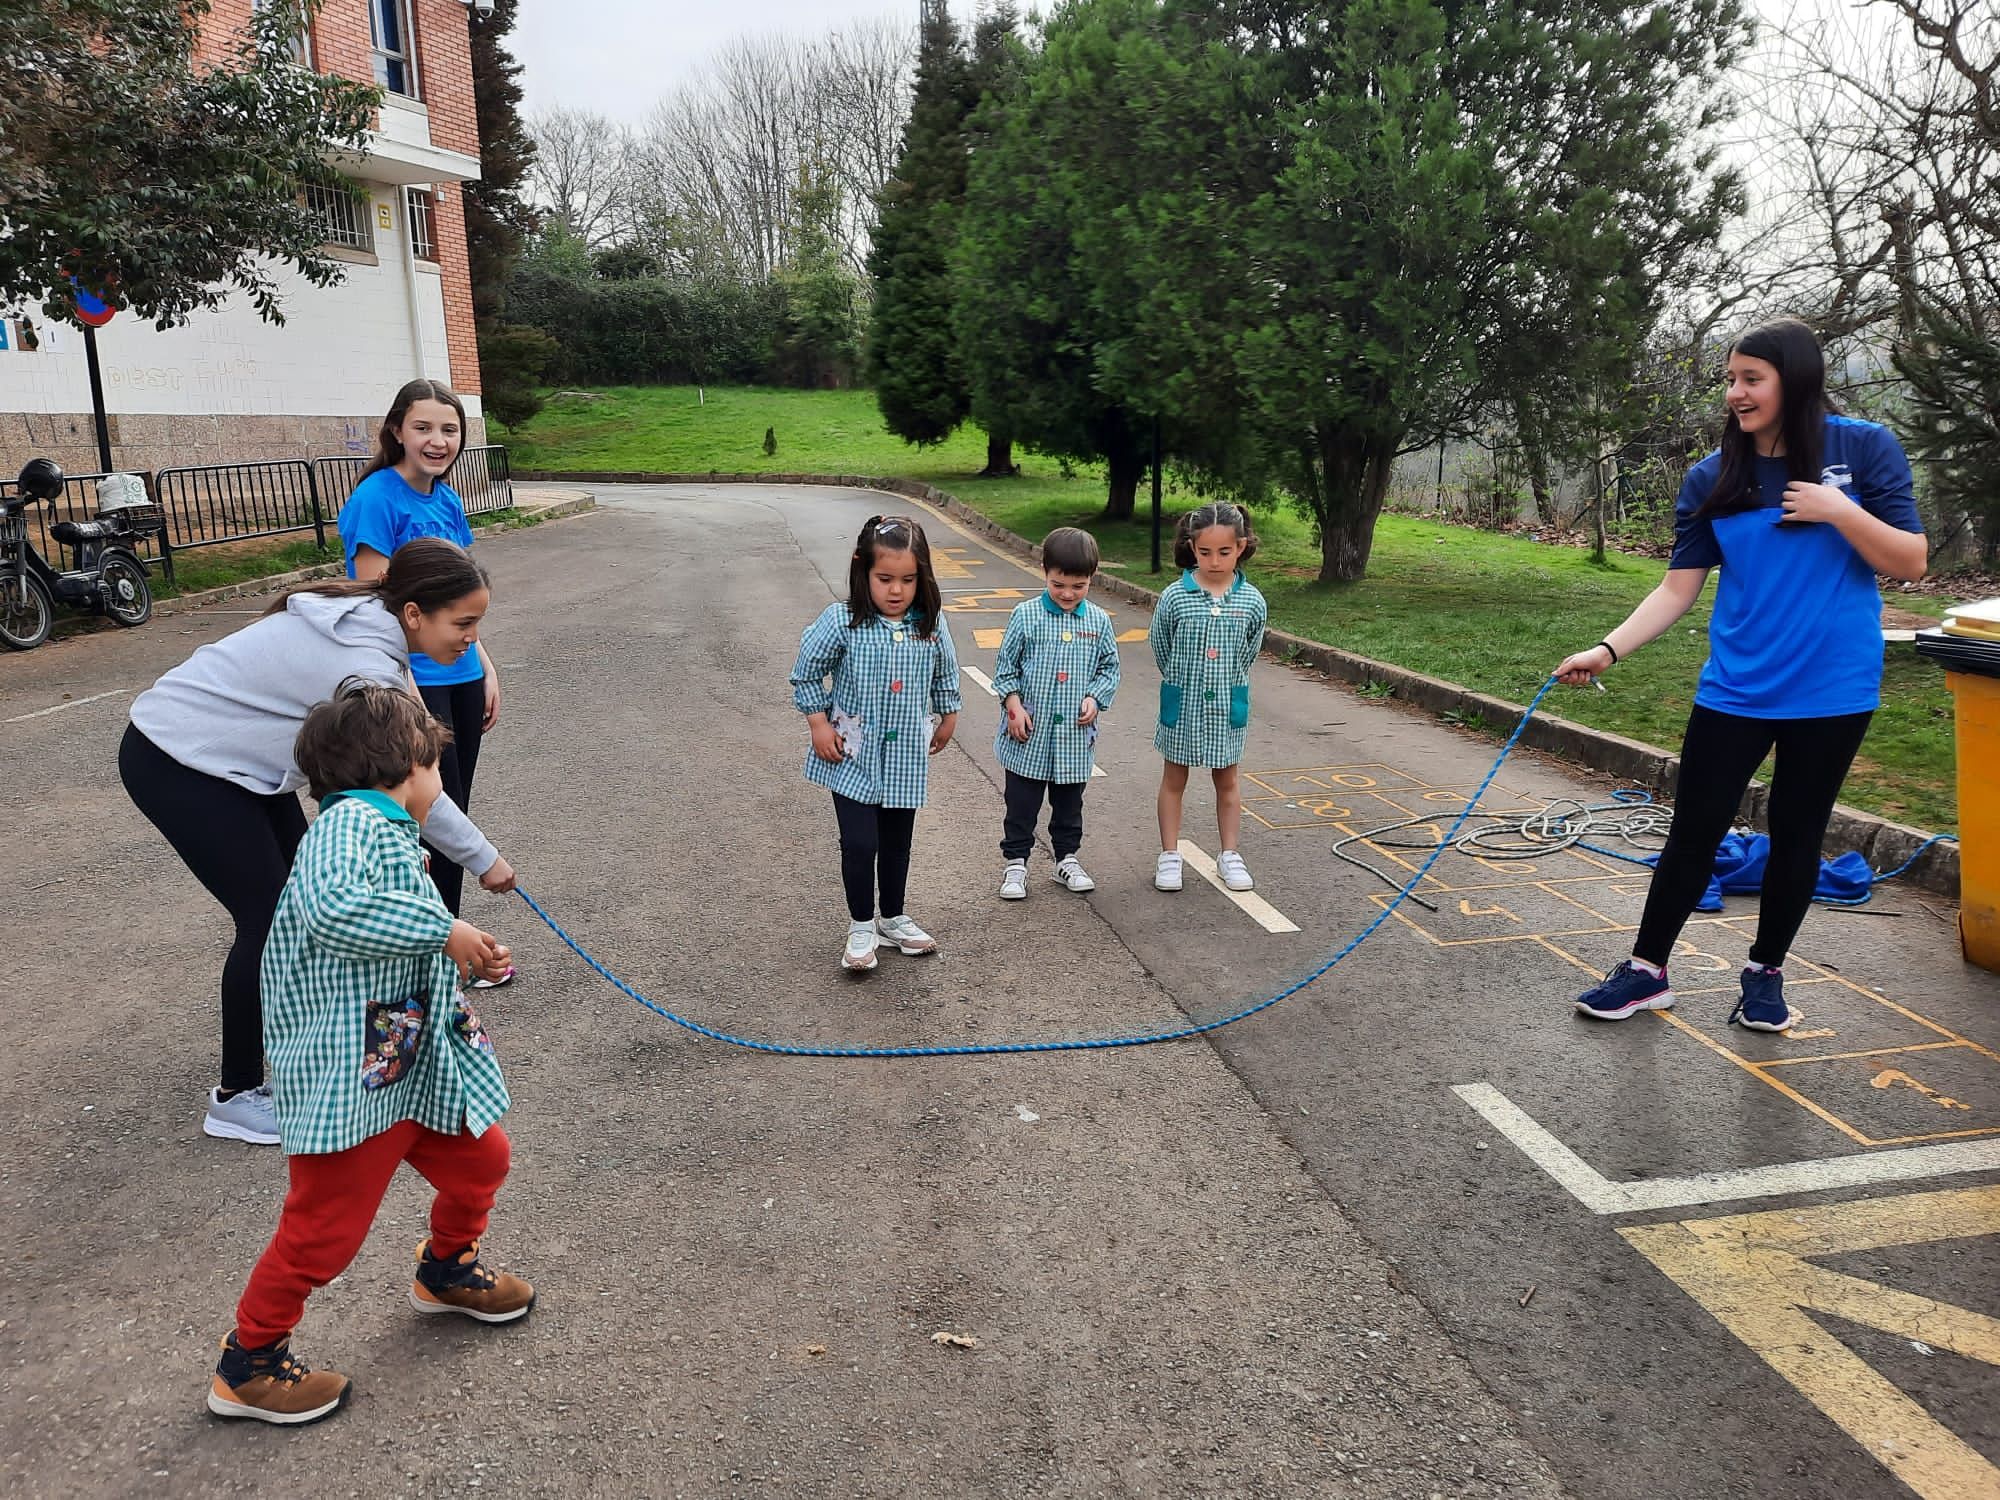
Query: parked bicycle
x,y
109,577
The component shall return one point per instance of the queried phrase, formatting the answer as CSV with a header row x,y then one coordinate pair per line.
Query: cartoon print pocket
x,y
1170,704
395,1027
466,1022
1239,705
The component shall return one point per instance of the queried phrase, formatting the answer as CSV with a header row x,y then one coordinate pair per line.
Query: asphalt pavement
x,y
1416,1231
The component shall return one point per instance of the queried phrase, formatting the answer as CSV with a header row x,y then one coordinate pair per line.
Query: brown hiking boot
x,y
269,1385
460,1284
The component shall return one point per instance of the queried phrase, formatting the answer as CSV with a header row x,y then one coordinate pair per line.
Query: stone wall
x,y
146,443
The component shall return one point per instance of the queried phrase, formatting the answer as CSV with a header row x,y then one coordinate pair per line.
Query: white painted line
x,y
987,682
1602,1196
1254,906
73,703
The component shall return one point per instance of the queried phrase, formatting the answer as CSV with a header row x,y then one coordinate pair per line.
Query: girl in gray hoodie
x,y
208,759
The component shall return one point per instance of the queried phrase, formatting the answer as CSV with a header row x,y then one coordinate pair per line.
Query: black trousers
x,y
1024,809
461,708
239,845
874,849
1719,755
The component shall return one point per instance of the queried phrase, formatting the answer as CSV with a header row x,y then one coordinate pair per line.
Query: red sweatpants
x,y
333,1201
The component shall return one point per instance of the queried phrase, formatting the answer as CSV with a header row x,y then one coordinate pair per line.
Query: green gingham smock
x,y
1205,646
892,680
359,930
1054,660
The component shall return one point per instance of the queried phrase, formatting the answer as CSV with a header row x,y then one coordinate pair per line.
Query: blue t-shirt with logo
x,y
1797,627
383,513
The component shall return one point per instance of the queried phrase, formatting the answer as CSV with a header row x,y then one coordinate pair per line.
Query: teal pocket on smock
x,y
1239,706
1170,704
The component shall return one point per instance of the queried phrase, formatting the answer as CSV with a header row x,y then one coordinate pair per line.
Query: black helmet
x,y
41,479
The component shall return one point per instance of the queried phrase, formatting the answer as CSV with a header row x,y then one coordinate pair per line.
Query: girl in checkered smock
x,y
877,680
1206,634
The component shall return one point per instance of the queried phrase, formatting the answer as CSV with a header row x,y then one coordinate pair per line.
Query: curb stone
x,y
1884,843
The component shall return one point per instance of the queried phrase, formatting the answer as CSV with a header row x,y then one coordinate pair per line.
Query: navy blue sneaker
x,y
1626,990
1763,1006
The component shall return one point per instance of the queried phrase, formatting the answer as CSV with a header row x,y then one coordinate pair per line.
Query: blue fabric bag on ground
x,y
1739,871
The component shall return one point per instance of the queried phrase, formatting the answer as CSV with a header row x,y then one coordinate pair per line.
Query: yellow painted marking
x,y
989,638
983,602
1788,1062
1125,636
954,562
1796,1035
1888,1078
1467,909
1751,1272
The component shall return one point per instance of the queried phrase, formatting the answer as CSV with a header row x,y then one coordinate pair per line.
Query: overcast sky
x,y
619,56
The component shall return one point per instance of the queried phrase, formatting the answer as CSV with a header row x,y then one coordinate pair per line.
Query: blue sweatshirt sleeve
x,y
1694,539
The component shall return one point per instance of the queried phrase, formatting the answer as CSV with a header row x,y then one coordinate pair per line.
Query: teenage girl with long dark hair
x,y
404,494
208,759
1801,508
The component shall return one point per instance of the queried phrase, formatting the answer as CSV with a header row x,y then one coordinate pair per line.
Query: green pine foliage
x,y
1954,422
912,355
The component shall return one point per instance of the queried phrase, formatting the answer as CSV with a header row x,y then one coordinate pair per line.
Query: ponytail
x,y
427,571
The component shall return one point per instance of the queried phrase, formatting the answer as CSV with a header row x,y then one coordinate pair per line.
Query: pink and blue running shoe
x,y
1626,991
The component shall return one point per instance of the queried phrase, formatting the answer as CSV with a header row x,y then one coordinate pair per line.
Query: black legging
x,y
874,846
461,708
239,845
1719,755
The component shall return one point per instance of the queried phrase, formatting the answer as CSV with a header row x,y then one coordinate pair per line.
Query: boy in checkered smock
x,y
1207,630
877,680
1057,672
375,1057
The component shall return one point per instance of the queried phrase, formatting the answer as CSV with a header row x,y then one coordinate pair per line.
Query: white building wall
x,y
339,355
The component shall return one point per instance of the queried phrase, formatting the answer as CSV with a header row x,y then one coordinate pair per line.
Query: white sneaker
x,y
1167,874
246,1116
905,934
1235,874
1014,881
1071,873
860,951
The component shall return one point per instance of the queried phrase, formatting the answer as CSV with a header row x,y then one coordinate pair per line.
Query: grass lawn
x,y
1493,612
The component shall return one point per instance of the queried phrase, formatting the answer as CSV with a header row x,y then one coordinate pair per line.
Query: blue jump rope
x,y
1096,1043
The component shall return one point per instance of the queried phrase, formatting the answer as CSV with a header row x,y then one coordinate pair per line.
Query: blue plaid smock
x,y
359,936
1054,660
1204,647
892,680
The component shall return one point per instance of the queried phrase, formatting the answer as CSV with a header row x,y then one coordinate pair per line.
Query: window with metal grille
x,y
345,215
423,223
395,61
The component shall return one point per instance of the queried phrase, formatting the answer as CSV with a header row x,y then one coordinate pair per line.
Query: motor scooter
x,y
109,577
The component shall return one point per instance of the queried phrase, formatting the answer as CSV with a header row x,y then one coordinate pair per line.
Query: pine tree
x,y
498,221
1954,422
912,358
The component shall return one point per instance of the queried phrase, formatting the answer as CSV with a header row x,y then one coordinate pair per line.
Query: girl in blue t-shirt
x,y
403,494
1801,509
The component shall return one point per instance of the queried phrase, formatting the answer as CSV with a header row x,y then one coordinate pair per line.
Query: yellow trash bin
x,y
1976,698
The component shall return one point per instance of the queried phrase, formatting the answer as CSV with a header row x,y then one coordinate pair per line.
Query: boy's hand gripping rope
x,y
1079,1044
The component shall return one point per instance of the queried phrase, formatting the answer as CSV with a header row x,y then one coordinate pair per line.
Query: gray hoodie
x,y
233,709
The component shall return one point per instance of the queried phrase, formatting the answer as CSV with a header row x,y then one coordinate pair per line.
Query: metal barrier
x,y
208,505
481,478
78,502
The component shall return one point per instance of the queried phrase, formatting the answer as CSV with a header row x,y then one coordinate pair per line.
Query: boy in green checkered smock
x,y
1057,672
877,680
375,1057
1207,630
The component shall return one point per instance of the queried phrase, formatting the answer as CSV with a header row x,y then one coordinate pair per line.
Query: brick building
x,y
228,386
